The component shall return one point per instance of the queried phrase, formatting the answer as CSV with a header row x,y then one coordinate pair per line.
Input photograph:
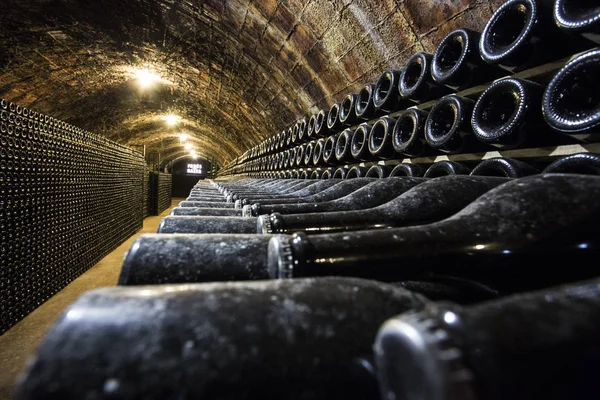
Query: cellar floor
x,y
20,342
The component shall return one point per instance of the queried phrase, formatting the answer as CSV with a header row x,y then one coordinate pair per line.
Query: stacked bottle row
x,y
61,191
524,110
268,288
160,185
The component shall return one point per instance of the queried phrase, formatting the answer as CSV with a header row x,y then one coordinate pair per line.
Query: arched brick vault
x,y
236,71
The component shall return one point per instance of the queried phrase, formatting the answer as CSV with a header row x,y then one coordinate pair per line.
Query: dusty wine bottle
x,y
581,163
386,97
576,16
359,148
378,171
457,63
343,146
334,122
490,241
448,125
380,138
503,167
348,110
408,136
571,102
415,82
364,107
405,169
540,345
214,341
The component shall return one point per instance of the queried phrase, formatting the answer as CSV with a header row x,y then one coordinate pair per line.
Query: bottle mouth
x,y
328,149
340,145
320,118
450,54
404,131
316,174
308,151
311,125
572,99
299,155
363,100
303,175
412,75
499,109
317,152
358,141
326,174
353,173
339,173
576,14
581,163
377,136
346,107
442,121
332,116
383,88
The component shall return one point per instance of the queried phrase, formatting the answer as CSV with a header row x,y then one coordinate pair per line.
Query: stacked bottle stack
x,y
160,192
450,281
147,210
508,87
62,190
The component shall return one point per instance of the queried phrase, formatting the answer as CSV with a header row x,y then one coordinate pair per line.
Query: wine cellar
x,y
299,199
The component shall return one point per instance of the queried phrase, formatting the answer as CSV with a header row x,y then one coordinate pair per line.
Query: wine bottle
x,y
490,241
329,150
352,194
356,172
302,127
521,34
348,111
215,341
408,136
404,169
438,198
575,16
364,107
540,345
340,173
310,128
333,118
321,124
443,168
415,82
306,189
206,224
317,158
503,167
386,97
581,163
327,173
378,171
571,103
508,115
343,146
457,63
448,125
300,154
359,148
308,153
380,138
316,174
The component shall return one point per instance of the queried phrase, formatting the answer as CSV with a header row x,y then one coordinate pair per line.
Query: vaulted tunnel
x,y
234,71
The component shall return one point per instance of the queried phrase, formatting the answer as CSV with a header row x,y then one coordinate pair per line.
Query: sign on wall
x,y
195,169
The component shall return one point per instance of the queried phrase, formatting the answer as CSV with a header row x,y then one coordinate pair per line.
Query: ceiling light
x,y
183,137
193,154
171,119
188,146
146,78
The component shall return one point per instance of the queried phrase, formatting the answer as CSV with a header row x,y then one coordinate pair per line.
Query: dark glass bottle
x,y
359,147
457,63
310,128
321,123
508,115
437,199
329,150
386,97
571,102
308,153
216,341
348,110
316,174
356,172
504,167
302,130
317,158
581,163
380,138
300,154
539,345
498,240
343,146
521,34
340,173
364,107
378,171
405,169
443,168
415,82
448,125
327,173
408,135
578,16
333,118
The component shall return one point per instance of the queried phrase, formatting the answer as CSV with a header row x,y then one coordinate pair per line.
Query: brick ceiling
x,y
235,71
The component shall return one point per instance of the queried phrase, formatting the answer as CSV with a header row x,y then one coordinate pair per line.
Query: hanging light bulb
x,y
146,78
171,119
